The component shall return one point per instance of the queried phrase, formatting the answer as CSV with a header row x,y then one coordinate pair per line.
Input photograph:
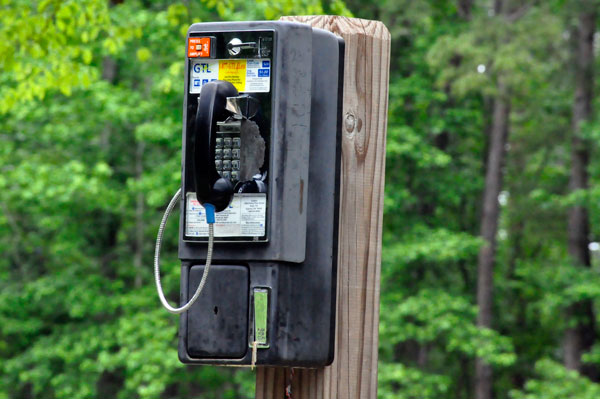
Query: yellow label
x,y
233,71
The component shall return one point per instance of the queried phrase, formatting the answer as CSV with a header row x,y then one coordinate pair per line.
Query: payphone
x,y
259,196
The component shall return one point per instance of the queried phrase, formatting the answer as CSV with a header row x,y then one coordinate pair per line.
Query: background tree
x,y
580,337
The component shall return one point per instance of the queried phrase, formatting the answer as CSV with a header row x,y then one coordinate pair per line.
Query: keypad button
x,y
227,141
218,163
219,143
226,174
235,165
235,154
236,142
234,175
227,153
227,165
218,154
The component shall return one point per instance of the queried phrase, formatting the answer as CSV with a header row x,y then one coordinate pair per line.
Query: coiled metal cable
x,y
159,239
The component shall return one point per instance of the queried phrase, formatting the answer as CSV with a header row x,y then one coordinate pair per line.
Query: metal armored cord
x,y
159,238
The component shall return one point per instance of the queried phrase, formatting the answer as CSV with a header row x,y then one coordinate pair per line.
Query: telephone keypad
x,y
227,152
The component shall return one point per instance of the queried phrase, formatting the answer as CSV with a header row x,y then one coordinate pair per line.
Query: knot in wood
x,y
350,122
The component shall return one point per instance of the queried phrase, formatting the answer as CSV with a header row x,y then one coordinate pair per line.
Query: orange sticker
x,y
198,47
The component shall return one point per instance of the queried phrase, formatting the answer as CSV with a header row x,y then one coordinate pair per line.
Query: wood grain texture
x,y
353,373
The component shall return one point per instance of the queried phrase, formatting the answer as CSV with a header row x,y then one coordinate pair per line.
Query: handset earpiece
x,y
211,188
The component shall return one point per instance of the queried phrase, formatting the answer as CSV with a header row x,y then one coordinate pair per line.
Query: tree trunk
x,y
498,6
110,74
581,337
489,228
464,8
140,204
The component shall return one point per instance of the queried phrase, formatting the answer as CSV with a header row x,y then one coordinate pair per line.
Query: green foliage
x,y
446,72
555,382
49,45
90,122
433,246
552,288
90,135
432,316
399,381
511,49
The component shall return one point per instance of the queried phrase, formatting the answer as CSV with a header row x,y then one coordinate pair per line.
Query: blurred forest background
x,y
490,274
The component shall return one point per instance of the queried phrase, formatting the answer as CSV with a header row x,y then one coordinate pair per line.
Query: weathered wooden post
x,y
353,373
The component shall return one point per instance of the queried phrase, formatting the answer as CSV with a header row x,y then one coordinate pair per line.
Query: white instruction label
x,y
253,75
244,217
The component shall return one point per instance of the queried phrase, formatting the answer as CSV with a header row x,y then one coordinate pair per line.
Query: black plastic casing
x,y
297,263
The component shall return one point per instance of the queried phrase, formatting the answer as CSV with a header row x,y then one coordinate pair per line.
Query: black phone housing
x,y
296,261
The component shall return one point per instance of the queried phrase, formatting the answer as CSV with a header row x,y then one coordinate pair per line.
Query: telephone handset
x,y
213,191
211,187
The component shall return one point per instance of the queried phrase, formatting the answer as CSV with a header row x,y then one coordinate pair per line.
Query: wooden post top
x,y
343,25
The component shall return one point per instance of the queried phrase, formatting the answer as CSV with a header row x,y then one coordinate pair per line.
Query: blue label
x,y
196,82
202,68
266,64
263,73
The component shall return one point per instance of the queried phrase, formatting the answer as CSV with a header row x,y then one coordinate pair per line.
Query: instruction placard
x,y
244,217
248,75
